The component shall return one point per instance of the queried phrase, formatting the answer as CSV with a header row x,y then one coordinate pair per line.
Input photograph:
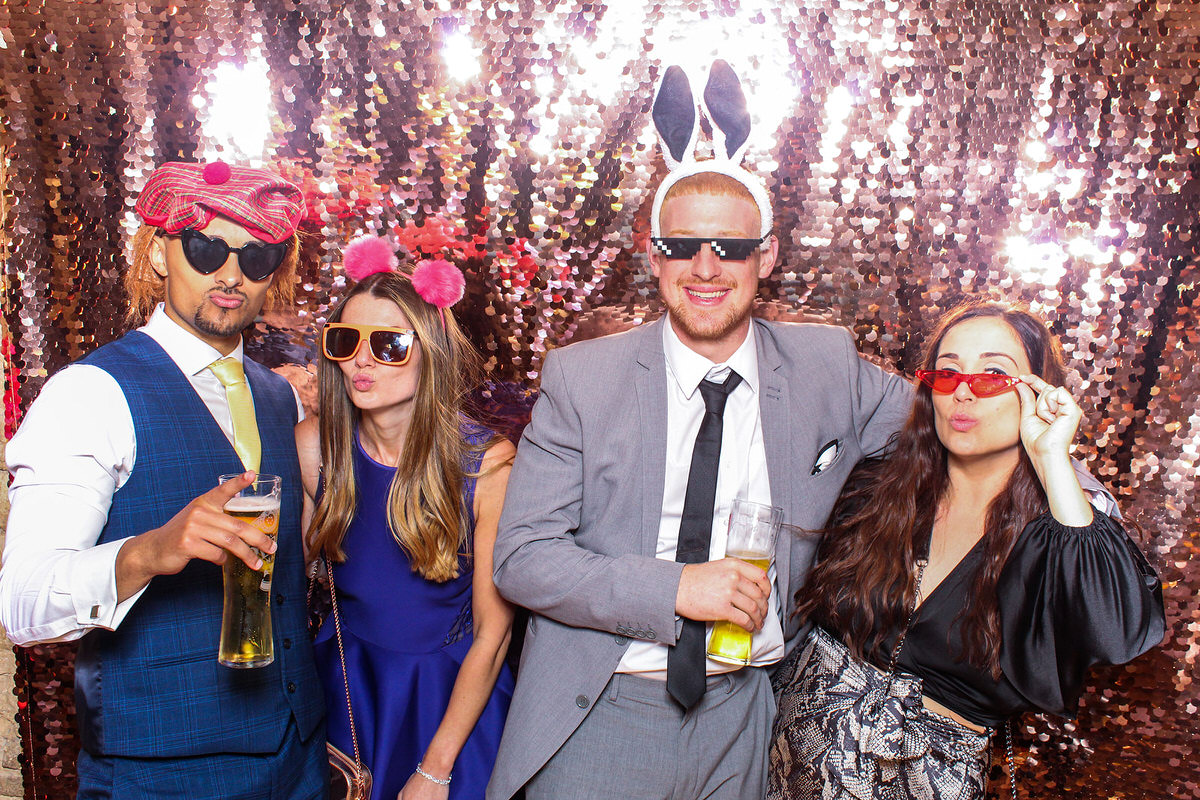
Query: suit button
x,y
582,701
291,687
287,644
278,599
620,639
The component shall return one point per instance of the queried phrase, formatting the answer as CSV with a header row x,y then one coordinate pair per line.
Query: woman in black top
x,y
963,580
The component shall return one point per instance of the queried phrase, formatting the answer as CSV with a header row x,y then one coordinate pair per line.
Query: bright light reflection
x,y
693,43
1094,287
1086,248
240,108
602,61
1036,262
1072,183
839,104
1039,182
461,56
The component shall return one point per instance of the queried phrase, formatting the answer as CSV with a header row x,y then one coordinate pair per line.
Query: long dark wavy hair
x,y
865,578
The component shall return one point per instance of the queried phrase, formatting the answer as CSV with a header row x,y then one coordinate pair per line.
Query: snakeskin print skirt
x,y
846,730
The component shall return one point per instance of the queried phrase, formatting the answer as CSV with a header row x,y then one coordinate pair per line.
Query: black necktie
x,y
685,661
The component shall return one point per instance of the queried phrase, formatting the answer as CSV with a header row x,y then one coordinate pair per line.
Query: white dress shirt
x,y
75,447
742,474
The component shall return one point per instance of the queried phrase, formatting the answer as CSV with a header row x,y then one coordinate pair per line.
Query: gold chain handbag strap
x,y
312,583
337,627
912,614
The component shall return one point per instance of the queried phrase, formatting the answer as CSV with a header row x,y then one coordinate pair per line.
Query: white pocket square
x,y
826,456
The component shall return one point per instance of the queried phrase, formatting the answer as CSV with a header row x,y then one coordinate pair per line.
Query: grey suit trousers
x,y
636,743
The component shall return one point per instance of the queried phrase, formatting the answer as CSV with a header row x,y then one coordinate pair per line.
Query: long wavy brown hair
x,y
865,580
425,509
145,288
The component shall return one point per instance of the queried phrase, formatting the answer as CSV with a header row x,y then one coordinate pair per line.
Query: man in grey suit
x,y
589,533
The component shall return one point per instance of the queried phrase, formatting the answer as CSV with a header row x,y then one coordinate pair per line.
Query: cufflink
x,y
96,611
827,455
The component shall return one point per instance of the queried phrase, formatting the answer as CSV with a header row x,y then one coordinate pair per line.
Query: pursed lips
x,y
962,422
226,300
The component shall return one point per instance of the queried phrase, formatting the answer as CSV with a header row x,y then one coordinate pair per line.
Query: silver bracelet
x,y
439,781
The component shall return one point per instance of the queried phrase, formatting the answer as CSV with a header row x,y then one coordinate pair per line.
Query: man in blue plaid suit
x,y
116,536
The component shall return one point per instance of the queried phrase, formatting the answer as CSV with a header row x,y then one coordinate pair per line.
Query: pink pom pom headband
x,y
437,281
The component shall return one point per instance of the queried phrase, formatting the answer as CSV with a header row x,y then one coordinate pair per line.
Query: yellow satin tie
x,y
241,408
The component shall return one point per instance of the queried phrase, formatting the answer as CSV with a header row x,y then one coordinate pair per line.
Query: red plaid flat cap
x,y
179,196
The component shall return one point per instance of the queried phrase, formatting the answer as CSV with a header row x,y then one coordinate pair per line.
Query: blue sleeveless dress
x,y
405,638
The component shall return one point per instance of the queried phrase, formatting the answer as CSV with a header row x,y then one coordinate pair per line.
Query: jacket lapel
x,y
650,386
774,403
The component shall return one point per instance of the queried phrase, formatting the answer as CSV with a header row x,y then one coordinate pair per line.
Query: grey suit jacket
x,y
577,537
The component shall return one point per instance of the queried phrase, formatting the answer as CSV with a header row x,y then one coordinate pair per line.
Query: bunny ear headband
x,y
437,281
676,117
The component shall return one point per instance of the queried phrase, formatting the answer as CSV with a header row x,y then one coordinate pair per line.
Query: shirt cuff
x,y
94,587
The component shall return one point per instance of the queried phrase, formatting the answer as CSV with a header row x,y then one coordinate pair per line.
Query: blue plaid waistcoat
x,y
153,687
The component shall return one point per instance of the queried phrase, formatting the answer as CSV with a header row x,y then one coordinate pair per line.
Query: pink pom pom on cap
x,y
216,172
367,255
439,282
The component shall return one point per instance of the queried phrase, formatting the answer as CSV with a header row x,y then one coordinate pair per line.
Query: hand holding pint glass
x,y
753,528
246,636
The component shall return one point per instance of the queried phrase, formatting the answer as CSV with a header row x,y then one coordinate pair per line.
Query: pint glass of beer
x,y
753,528
246,639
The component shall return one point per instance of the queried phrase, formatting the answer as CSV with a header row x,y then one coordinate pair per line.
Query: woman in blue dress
x,y
404,493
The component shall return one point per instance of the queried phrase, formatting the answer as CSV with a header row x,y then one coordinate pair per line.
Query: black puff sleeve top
x,y
1069,598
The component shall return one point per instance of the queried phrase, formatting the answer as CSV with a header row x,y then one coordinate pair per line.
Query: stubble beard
x,y
701,325
222,323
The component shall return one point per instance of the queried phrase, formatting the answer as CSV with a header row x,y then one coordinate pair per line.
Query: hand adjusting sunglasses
x,y
981,384
257,261
392,346
681,247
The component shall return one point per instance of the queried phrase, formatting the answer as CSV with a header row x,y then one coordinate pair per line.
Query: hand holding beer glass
x,y
246,635
753,529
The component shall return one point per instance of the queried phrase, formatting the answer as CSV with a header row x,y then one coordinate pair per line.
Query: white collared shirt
x,y
742,474
75,447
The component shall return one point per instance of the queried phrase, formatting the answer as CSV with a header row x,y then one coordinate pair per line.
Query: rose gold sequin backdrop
x,y
918,150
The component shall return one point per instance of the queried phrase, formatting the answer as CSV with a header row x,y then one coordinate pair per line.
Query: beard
x,y
704,325
223,323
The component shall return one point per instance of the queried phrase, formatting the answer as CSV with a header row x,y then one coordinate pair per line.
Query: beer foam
x,y
252,505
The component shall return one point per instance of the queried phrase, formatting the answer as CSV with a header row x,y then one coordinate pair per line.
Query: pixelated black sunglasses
x,y
680,247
